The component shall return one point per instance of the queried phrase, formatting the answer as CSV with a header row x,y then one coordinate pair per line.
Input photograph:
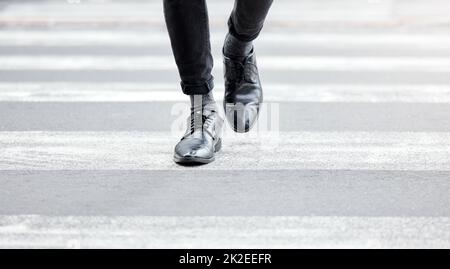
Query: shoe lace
x,y
235,71
239,71
197,119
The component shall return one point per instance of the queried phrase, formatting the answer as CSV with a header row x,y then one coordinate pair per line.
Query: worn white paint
x,y
273,92
296,150
32,231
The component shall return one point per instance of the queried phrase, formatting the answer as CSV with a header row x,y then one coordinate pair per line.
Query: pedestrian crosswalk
x,y
357,153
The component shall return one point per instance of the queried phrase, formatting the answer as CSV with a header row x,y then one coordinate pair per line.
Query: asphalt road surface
x,y
352,148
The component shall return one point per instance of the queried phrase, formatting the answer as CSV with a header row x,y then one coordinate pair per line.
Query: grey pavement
x,y
303,116
296,192
360,157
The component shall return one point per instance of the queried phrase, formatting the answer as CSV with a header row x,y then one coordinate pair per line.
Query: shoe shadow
x,y
192,164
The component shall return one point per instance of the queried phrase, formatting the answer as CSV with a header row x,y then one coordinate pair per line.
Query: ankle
x,y
235,48
202,100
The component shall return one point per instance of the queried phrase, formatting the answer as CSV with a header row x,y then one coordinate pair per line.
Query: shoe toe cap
x,y
193,148
243,118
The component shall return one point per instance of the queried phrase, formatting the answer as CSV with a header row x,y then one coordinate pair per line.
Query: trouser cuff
x,y
200,88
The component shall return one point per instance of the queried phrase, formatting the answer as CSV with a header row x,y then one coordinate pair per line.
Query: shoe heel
x,y
218,145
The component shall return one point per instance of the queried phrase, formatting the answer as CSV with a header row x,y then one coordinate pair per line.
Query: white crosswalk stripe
x,y
294,63
153,151
156,92
222,232
137,38
386,11
283,10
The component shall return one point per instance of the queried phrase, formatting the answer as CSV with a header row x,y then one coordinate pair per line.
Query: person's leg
x,y
188,27
187,24
247,18
243,92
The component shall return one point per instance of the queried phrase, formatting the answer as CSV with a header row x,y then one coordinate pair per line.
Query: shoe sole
x,y
198,160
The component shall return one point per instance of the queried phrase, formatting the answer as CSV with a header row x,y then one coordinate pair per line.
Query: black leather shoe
x,y
243,92
202,138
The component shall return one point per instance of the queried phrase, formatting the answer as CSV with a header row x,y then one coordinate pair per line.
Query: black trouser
x,y
188,26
